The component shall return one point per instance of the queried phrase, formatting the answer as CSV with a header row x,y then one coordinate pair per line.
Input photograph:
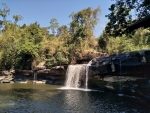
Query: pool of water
x,y
33,98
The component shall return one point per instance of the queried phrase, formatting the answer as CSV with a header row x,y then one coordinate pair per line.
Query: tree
x,y
17,18
84,22
53,25
142,8
33,33
61,30
102,41
122,16
60,57
119,18
3,13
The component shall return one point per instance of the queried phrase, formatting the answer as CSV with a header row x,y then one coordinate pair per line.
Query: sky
x,y
43,11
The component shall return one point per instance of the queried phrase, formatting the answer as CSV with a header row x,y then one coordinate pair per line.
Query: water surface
x,y
33,98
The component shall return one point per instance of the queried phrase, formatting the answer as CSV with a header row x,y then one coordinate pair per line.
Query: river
x,y
44,98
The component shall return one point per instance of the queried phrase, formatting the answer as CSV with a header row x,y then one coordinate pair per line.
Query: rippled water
x,y
32,98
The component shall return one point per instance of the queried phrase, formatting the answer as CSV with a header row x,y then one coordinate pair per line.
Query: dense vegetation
x,y
124,13
23,47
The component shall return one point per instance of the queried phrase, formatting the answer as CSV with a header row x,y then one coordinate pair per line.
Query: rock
x,y
132,63
2,77
39,68
21,81
39,82
127,73
5,81
12,82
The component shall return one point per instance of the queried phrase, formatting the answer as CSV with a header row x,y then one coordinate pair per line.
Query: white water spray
x,y
87,74
74,73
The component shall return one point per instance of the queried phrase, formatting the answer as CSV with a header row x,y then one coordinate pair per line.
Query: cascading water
x,y
74,74
87,74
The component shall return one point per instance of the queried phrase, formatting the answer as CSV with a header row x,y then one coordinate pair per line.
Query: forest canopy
x,y
23,47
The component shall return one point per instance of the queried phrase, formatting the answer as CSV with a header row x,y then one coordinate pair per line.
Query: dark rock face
x,y
55,75
132,64
127,73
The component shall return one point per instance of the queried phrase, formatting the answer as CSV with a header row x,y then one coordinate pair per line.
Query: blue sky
x,y
43,11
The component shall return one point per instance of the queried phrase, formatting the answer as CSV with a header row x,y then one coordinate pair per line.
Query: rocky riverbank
x,y
6,77
55,75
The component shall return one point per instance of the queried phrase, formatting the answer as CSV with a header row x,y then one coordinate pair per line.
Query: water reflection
x,y
19,98
76,100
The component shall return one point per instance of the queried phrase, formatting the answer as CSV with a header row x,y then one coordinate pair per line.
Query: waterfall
x,y
74,74
35,75
87,74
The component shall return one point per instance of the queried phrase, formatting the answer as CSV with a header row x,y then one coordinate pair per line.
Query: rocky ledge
x,y
6,77
126,73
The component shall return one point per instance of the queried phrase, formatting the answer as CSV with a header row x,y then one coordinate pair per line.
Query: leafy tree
x,y
51,62
10,53
3,13
102,41
62,30
141,38
60,57
17,18
142,8
122,16
81,30
53,25
33,33
84,22
119,18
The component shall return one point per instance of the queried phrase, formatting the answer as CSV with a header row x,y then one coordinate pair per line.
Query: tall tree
x,y
3,13
124,13
84,22
142,8
53,25
119,18
62,29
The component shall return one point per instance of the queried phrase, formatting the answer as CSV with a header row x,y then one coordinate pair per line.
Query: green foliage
x,y
119,45
121,16
3,13
84,22
29,48
21,46
17,18
53,25
51,62
61,58
139,39
33,33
